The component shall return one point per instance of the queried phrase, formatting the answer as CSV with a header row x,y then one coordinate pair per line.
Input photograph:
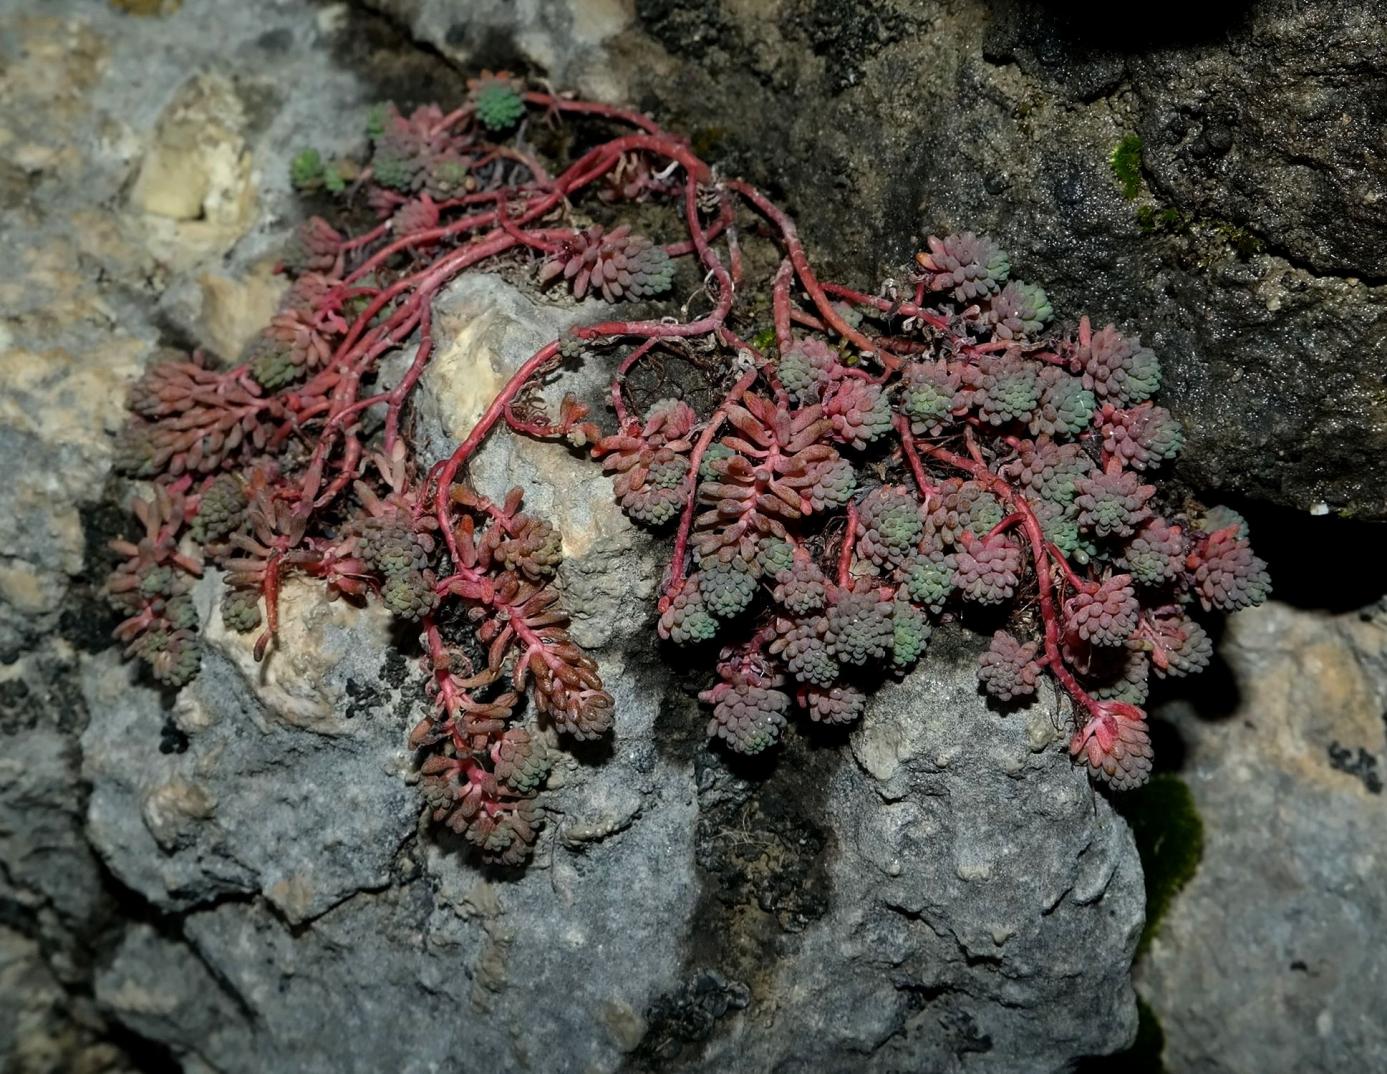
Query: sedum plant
x,y
873,460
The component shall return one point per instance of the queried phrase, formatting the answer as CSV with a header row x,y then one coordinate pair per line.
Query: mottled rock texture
x,y
1267,961
235,879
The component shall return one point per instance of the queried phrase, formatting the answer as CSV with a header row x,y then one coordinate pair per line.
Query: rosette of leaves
x,y
1006,388
962,506
928,393
404,146
1156,553
315,248
221,509
806,367
1114,367
1116,744
150,585
617,265
891,526
1121,673
802,647
292,344
910,633
858,623
802,588
1065,407
1112,502
929,578
687,619
1049,470
1178,645
727,585
1009,668
190,419
970,267
1224,572
748,706
859,411
834,704
1143,437
781,471
987,569
1106,615
1019,310
495,95
650,462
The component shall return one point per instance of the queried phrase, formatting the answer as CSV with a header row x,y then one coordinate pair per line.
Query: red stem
x,y
479,432
1049,613
845,552
681,537
619,381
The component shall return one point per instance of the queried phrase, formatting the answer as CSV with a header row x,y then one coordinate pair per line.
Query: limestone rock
x,y
1260,961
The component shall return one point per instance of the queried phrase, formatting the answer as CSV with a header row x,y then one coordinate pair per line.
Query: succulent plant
x,y
866,463
616,264
969,266
1009,668
496,97
1107,615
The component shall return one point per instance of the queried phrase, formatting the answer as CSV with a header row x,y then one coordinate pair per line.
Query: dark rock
x,y
1253,260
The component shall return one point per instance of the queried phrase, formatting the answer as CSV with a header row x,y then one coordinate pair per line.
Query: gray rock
x,y
957,892
1263,961
305,812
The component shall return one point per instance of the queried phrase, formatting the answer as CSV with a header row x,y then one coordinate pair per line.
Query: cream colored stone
x,y
26,589
190,715
464,375
293,895
234,310
68,399
197,172
289,681
171,810
1304,683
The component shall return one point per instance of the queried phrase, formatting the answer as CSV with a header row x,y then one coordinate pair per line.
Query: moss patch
x,y
1170,839
1125,161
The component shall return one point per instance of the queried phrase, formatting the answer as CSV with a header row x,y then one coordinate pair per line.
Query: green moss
x,y
1153,219
1170,839
1125,161
764,340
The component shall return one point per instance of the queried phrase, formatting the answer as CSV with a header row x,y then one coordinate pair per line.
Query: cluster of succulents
x,y
485,769
651,461
873,464
1054,433
150,588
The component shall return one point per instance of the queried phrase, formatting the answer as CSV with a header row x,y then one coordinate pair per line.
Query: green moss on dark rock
x,y
1170,839
1126,165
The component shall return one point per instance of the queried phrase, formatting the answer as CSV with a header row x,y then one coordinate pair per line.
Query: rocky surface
x,y
1265,962
235,879
1250,254
957,891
